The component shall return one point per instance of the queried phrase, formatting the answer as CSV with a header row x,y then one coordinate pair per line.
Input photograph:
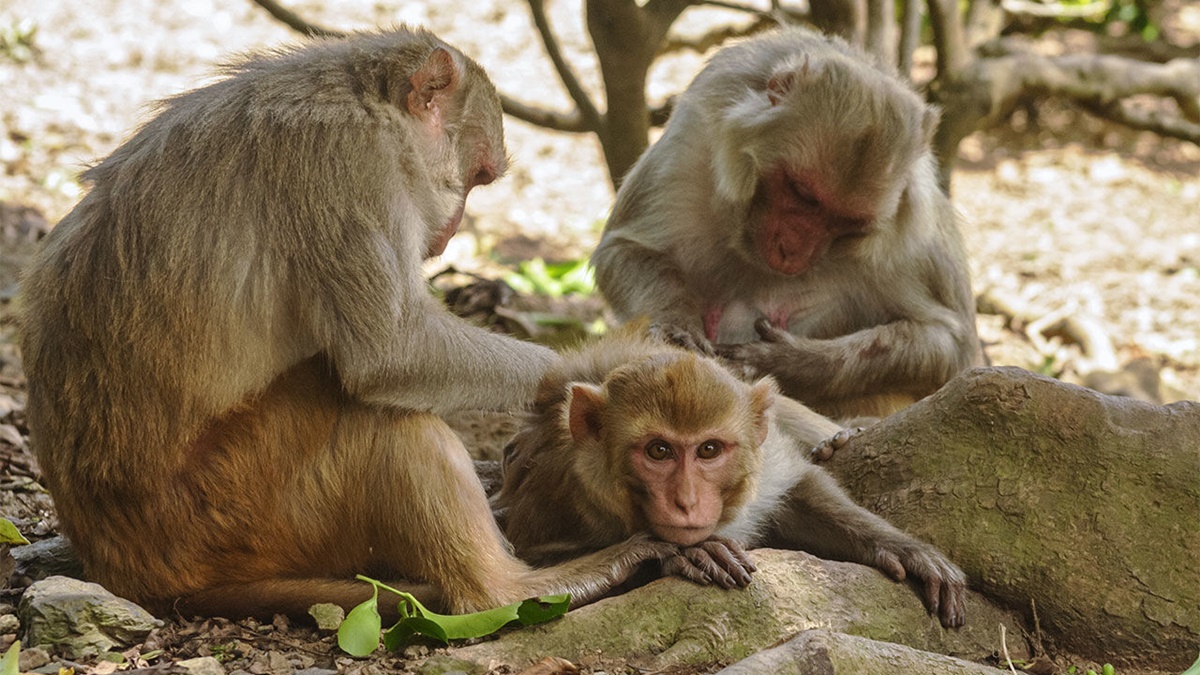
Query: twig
x,y
1037,627
737,7
586,111
1004,647
1056,10
296,22
548,119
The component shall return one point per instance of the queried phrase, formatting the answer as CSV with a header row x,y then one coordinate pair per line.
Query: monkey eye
x,y
803,196
659,450
710,449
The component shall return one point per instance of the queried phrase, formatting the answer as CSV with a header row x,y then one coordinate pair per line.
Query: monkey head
x,y
677,438
458,116
814,151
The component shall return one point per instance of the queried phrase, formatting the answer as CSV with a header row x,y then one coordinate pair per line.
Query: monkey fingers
x,y
824,450
715,561
674,334
945,585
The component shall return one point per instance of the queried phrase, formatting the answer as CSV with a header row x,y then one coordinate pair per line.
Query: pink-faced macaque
x,y
236,370
790,219
631,436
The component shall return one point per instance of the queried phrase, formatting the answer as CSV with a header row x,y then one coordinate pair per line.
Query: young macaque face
x,y
683,435
684,478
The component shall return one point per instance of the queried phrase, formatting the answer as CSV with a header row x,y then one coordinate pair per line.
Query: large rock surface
x,y
1055,499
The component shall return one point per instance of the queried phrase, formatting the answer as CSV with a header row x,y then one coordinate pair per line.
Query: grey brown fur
x,y
561,498
236,366
882,315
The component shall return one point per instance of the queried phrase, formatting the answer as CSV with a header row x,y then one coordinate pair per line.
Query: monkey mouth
x,y
684,536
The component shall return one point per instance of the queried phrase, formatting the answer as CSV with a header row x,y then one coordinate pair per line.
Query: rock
x,y
9,623
81,619
671,622
48,557
31,658
204,665
1087,504
327,615
830,653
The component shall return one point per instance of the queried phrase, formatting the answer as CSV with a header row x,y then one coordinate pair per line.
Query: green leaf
x,y
359,633
543,608
1194,670
9,664
9,533
1108,669
408,629
419,621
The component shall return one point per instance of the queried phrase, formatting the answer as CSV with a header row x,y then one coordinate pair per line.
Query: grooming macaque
x,y
235,366
790,219
635,436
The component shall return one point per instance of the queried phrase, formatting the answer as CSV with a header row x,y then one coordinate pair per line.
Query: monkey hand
x,y
716,560
674,334
824,450
945,584
775,348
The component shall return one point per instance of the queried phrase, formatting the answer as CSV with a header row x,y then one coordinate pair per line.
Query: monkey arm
x,y
906,355
819,518
432,360
637,280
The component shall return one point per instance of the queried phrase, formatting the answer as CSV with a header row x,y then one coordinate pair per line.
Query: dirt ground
x,y
1065,216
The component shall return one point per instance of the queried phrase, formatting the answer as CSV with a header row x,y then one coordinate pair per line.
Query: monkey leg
x,y
820,518
330,488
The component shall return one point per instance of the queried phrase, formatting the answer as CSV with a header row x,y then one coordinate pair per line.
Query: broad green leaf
x,y
418,620
9,663
1108,669
406,629
9,533
543,608
359,633
1195,669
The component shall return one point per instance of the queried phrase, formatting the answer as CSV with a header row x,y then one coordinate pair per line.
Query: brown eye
x,y
710,449
658,450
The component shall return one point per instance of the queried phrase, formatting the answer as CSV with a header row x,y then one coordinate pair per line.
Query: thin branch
x,y
1056,10
737,7
587,113
547,119
721,34
296,22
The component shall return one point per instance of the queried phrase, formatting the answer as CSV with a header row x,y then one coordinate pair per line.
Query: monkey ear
x,y
583,411
762,397
788,77
432,85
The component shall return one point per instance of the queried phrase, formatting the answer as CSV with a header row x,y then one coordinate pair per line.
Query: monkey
x,y
236,371
633,435
790,219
